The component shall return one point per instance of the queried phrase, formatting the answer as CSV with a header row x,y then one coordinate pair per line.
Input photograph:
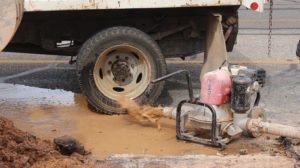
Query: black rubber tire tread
x,y
90,51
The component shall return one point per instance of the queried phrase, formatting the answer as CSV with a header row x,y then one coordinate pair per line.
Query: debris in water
x,y
142,114
68,145
273,152
291,146
243,151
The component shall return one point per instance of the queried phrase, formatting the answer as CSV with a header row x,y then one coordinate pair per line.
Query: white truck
x,y
121,45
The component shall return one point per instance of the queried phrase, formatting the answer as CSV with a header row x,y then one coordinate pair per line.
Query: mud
x,y
21,149
53,113
291,146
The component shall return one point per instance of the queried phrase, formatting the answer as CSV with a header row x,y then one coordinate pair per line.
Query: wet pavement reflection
x,y
35,96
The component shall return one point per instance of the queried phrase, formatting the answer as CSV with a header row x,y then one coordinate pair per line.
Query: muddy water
x,y
51,113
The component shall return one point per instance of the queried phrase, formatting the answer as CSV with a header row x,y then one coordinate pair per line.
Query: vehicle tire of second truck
x,y
120,62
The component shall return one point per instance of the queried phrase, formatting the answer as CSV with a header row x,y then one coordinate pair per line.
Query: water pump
x,y
227,108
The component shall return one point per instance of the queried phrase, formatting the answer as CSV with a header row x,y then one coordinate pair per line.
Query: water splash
x,y
142,113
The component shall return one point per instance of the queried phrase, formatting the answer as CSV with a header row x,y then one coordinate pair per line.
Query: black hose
x,y
257,100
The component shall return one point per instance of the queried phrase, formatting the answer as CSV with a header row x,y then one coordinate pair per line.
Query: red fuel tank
x,y
216,87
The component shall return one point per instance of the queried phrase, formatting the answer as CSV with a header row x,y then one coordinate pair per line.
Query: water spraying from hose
x,y
142,113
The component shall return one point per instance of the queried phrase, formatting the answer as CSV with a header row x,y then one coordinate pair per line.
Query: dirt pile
x,y
143,114
21,149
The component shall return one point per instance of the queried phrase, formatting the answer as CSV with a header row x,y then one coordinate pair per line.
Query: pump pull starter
x,y
228,107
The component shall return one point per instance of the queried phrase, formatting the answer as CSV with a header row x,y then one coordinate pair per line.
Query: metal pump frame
x,y
181,134
215,55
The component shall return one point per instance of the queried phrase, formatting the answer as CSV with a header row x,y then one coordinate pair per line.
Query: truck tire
x,y
120,61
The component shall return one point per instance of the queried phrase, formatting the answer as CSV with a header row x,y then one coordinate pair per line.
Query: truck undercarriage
x,y
178,31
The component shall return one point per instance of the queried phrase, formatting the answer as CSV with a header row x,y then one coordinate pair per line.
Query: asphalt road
x,y
282,91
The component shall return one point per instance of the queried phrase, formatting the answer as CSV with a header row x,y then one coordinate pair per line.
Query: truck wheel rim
x,y
122,70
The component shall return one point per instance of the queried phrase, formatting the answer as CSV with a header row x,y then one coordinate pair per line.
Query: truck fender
x,y
11,12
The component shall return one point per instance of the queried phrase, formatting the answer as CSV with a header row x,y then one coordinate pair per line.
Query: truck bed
x,y
56,5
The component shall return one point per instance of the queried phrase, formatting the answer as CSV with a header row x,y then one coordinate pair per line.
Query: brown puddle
x,y
51,113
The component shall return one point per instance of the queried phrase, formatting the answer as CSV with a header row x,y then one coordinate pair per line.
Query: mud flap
x,y
215,51
11,12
